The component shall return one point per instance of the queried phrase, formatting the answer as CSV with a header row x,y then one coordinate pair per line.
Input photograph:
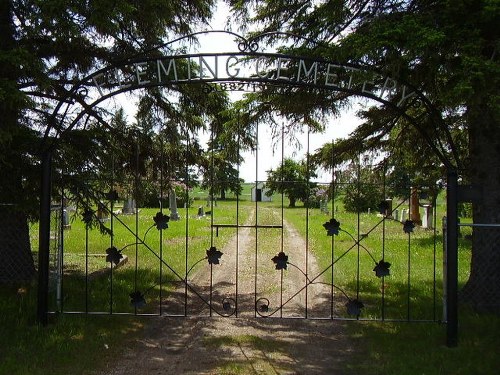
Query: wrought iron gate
x,y
143,258
193,254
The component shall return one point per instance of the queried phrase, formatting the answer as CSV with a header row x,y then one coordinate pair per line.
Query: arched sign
x,y
249,70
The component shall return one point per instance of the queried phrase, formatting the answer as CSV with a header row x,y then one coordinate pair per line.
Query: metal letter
x,y
307,73
161,67
228,64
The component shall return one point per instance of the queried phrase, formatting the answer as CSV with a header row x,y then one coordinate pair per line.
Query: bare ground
x,y
245,342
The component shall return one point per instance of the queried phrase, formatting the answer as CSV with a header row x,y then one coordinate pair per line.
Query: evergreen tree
x,y
47,46
447,49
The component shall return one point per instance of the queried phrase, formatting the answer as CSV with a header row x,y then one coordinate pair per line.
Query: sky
x,y
257,163
268,158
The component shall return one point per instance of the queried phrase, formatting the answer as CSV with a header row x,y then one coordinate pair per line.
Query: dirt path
x,y
243,344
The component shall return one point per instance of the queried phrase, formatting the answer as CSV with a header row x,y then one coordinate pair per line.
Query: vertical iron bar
x,y
212,198
332,250
408,301
308,202
282,209
160,310
44,242
86,268
434,277
237,223
186,228
358,228
135,200
60,251
452,259
112,229
383,239
256,215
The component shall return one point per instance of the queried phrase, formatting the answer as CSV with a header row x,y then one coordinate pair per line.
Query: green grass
x,y
71,344
383,348
180,247
409,348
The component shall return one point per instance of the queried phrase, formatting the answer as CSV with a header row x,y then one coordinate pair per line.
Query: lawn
x,y
411,291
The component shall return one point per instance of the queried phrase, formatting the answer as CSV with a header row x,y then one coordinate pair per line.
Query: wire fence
x,y
480,273
16,263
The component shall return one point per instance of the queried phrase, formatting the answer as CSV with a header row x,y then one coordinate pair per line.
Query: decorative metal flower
x,y
112,195
354,307
332,227
382,268
114,255
280,260
213,255
137,299
408,226
383,207
161,221
87,216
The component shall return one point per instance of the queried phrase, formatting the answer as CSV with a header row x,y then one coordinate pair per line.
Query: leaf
x,y
382,268
87,217
332,227
112,195
161,221
137,299
408,226
114,255
280,260
213,255
383,207
354,307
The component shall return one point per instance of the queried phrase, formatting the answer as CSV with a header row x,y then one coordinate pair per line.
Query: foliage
x,y
293,179
40,40
447,50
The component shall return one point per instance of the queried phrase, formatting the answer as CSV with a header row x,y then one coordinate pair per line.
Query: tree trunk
x,y
292,202
16,263
482,290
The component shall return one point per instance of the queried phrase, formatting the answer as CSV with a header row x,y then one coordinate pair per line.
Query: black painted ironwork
x,y
92,91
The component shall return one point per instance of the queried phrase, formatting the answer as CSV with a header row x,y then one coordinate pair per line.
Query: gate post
x,y
452,259
44,238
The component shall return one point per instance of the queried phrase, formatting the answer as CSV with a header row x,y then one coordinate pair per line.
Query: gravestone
x,y
323,205
65,219
174,215
201,212
129,207
404,215
415,207
427,219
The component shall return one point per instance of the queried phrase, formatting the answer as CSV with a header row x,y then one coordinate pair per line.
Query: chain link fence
x,y
16,260
482,273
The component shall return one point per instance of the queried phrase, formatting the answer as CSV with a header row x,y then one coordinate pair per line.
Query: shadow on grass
x,y
401,348
395,300
27,348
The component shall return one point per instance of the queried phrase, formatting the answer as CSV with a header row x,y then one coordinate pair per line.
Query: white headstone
x,y
174,215
427,219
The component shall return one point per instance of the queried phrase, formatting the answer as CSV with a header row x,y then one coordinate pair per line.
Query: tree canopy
x,y
46,48
292,179
448,50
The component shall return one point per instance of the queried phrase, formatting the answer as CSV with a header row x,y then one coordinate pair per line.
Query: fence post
x,y
445,265
44,239
452,259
